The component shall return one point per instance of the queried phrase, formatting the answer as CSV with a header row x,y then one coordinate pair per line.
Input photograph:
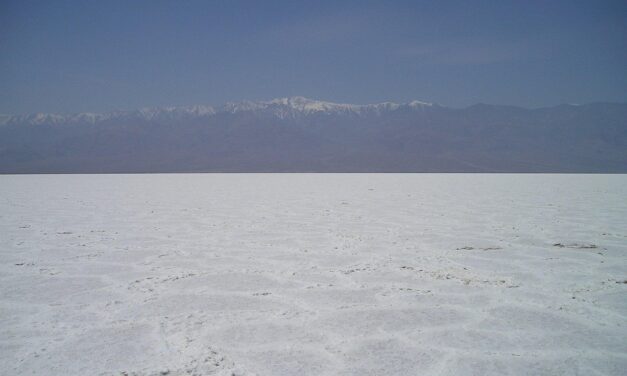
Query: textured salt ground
x,y
313,274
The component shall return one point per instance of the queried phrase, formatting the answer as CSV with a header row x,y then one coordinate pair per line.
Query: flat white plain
x,y
313,274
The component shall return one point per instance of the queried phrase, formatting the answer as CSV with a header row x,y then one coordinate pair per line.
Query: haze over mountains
x,y
302,135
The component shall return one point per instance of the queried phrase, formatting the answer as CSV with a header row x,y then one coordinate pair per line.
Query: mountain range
x,y
303,135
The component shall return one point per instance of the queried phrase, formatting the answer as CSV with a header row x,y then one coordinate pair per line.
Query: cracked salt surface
x,y
313,274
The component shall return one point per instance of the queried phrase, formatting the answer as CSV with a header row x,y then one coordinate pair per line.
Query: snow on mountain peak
x,y
280,107
416,103
293,106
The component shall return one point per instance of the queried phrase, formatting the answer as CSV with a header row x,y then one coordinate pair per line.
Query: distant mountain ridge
x,y
303,135
281,107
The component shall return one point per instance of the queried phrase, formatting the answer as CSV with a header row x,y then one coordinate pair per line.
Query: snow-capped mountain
x,y
297,106
280,107
299,134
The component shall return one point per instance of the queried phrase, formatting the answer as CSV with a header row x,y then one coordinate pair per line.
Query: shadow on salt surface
x,y
230,282
107,350
317,259
98,269
615,301
264,333
375,321
520,341
387,357
51,290
522,318
335,298
288,361
177,304
129,349
489,364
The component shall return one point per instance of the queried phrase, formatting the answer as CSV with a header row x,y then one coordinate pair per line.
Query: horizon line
x,y
298,97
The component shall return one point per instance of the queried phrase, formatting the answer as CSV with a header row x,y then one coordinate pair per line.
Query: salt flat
x,y
313,274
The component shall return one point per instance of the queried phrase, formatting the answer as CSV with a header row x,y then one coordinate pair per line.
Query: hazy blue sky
x,y
71,56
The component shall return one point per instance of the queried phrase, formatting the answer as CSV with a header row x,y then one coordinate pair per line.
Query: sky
x,y
99,56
